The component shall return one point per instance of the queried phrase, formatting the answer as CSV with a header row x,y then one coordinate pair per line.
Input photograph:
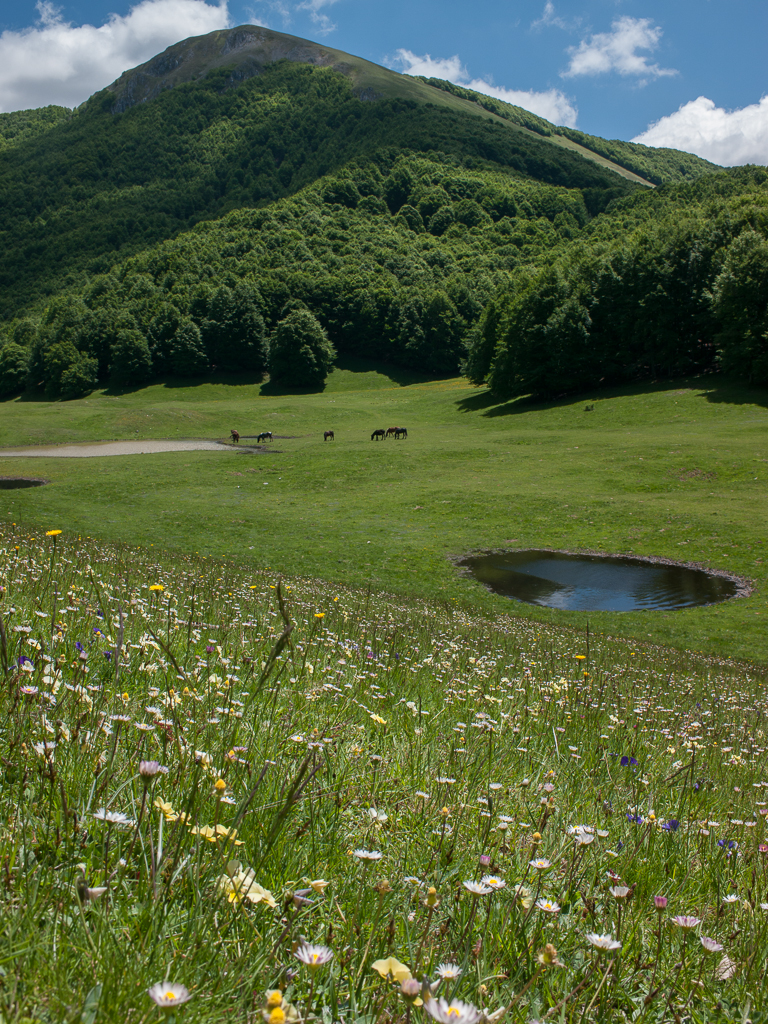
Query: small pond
x,y
554,579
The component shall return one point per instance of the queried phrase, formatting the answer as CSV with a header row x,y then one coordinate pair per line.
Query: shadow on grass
x,y
401,375
171,383
270,389
493,406
233,379
712,387
733,392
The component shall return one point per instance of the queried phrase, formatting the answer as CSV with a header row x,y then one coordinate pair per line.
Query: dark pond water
x,y
596,582
11,483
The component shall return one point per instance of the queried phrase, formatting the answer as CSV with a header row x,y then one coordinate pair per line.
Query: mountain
x,y
247,51
249,178
237,119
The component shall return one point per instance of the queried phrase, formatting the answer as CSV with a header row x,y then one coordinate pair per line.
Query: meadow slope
x,y
675,470
202,767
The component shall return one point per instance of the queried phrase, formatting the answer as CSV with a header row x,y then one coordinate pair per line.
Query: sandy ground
x,y
89,451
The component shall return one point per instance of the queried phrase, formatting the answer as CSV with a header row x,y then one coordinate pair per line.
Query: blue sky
x,y
697,69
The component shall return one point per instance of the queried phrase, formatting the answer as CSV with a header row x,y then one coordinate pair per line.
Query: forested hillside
x,y
23,125
659,166
198,208
116,178
664,284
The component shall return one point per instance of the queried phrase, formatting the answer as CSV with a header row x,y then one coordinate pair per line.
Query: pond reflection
x,y
552,579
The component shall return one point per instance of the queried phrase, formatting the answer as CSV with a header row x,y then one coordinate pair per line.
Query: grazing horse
x,y
391,431
235,436
265,436
378,435
400,432
328,436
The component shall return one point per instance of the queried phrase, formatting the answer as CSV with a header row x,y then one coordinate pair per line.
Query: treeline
x,y
663,285
76,346
99,185
394,259
431,262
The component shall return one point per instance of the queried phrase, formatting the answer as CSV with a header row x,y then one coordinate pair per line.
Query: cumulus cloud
x,y
57,62
617,51
727,137
552,104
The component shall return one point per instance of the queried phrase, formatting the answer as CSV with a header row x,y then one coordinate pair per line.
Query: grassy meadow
x,y
247,800
675,470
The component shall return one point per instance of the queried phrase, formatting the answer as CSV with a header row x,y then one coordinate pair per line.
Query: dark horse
x,y
235,436
378,435
400,432
328,436
265,436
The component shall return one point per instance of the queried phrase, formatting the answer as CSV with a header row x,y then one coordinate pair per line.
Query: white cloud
x,y
727,137
617,51
57,62
315,8
552,104
549,17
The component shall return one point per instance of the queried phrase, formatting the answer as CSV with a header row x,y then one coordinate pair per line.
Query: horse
x,y
328,436
400,432
391,431
265,436
378,435
235,437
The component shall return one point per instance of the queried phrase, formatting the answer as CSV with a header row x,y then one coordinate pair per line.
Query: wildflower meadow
x,y
230,796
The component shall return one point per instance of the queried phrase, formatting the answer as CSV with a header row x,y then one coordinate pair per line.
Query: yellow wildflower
x,y
239,884
166,809
391,968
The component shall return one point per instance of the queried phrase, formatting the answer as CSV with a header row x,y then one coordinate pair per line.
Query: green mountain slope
x,y
663,284
234,119
245,178
426,263
246,51
644,163
22,125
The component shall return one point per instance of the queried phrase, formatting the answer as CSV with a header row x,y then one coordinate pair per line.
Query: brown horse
x,y
391,431
328,436
235,436
378,435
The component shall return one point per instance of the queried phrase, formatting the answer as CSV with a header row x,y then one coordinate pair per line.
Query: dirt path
x,y
99,448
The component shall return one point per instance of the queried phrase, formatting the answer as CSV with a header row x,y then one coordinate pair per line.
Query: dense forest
x,y
263,225
663,284
102,185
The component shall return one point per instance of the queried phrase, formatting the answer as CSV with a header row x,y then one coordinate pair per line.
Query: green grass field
x,y
199,769
675,470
